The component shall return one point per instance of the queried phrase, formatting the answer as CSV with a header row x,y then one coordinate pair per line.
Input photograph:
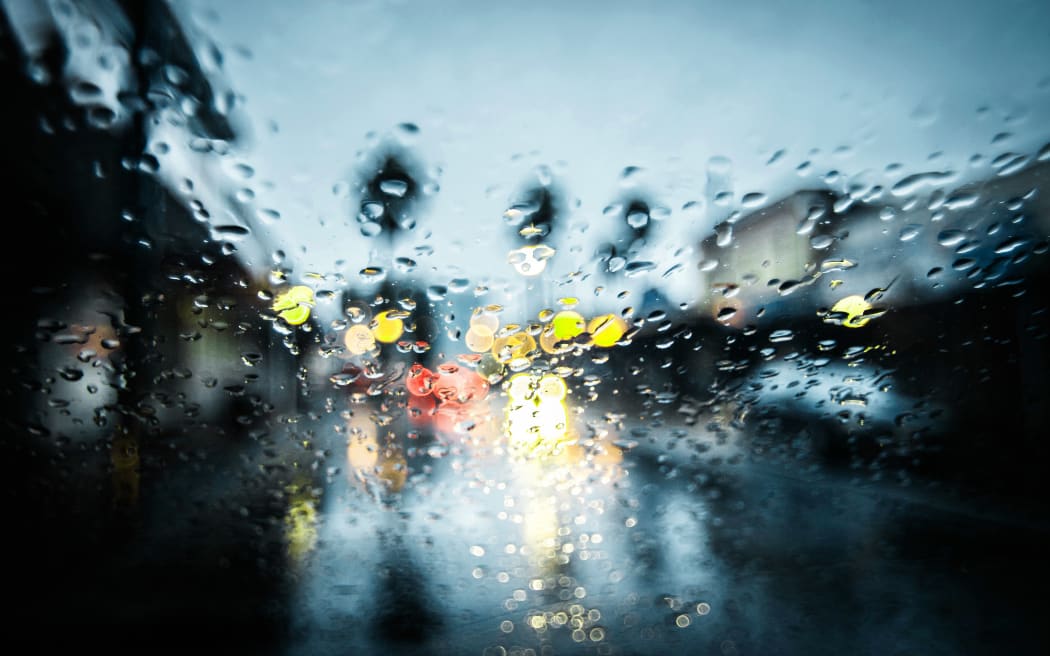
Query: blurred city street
x,y
394,327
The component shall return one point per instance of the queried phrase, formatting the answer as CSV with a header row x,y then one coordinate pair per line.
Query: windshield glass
x,y
537,328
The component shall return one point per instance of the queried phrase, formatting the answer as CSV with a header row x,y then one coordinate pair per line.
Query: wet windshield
x,y
550,328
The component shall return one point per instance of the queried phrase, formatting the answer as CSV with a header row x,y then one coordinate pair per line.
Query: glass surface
x,y
526,328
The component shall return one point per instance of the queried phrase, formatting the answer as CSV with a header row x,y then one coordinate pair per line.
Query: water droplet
x,y
629,175
544,175
673,269
371,211
268,216
843,204
84,92
1044,153
912,183
242,171
950,237
638,219
726,313
101,117
393,187
1007,160
961,201
230,232
149,164
638,268
420,380
437,292
1010,245
458,285
820,242
1014,166
72,374
37,72
910,231
345,378
752,200
372,274
515,216
724,234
